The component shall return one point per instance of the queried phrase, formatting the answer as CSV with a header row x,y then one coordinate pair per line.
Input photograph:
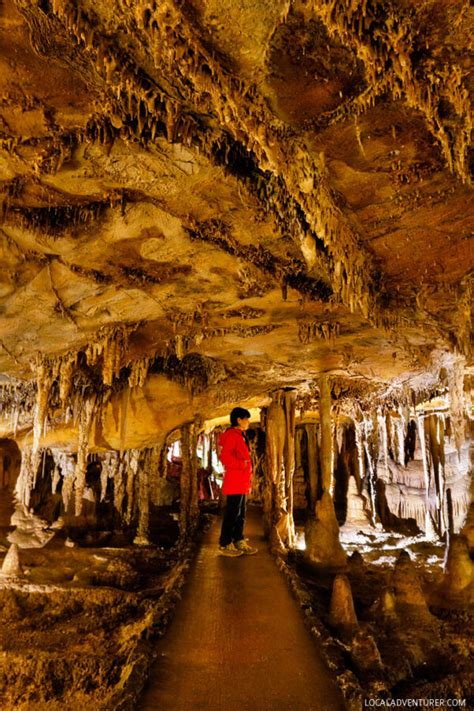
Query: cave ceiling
x,y
282,187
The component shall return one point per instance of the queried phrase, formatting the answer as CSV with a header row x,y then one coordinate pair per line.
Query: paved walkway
x,y
238,641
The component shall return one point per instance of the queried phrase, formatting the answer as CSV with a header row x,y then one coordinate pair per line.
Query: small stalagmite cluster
x,y
207,205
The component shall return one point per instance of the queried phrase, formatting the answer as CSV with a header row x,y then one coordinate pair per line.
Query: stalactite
x,y
119,472
425,91
66,371
359,437
109,348
246,117
309,331
109,464
383,436
66,464
45,375
398,439
371,471
26,476
139,372
55,478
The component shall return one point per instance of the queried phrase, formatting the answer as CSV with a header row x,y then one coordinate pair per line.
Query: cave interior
x,y
216,203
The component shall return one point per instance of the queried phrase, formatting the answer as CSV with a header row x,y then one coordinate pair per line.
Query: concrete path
x,y
238,641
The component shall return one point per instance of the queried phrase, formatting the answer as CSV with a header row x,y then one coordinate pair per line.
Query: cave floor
x,y
238,640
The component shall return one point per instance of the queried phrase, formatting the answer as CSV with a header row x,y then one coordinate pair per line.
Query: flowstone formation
x,y
208,204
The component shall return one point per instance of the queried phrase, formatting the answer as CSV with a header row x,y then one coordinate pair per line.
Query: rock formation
x,y
11,562
342,606
208,204
459,570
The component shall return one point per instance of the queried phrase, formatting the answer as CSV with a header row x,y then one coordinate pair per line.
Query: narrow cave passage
x,y
238,640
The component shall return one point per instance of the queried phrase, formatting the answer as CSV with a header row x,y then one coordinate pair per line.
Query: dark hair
x,y
238,412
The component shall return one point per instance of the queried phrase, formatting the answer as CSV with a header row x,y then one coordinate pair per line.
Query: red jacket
x,y
235,456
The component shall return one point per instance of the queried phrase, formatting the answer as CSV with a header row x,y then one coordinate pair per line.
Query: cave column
x,y
326,435
279,470
322,529
436,439
289,406
429,528
189,512
371,448
193,467
185,484
312,451
144,477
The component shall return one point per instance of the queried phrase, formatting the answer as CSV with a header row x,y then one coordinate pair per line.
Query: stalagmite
x,y
11,562
322,531
467,530
365,653
342,611
459,569
409,596
386,605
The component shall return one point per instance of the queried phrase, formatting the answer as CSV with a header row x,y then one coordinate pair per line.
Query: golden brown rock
x,y
342,611
459,569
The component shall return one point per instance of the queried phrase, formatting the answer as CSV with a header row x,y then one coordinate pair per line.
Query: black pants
x,y
234,519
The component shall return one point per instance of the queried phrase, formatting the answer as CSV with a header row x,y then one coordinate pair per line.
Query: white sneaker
x,y
244,547
230,550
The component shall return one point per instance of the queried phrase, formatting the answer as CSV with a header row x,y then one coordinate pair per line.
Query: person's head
x,y
239,417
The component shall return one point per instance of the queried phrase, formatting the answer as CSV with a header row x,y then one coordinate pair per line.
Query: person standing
x,y
234,454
